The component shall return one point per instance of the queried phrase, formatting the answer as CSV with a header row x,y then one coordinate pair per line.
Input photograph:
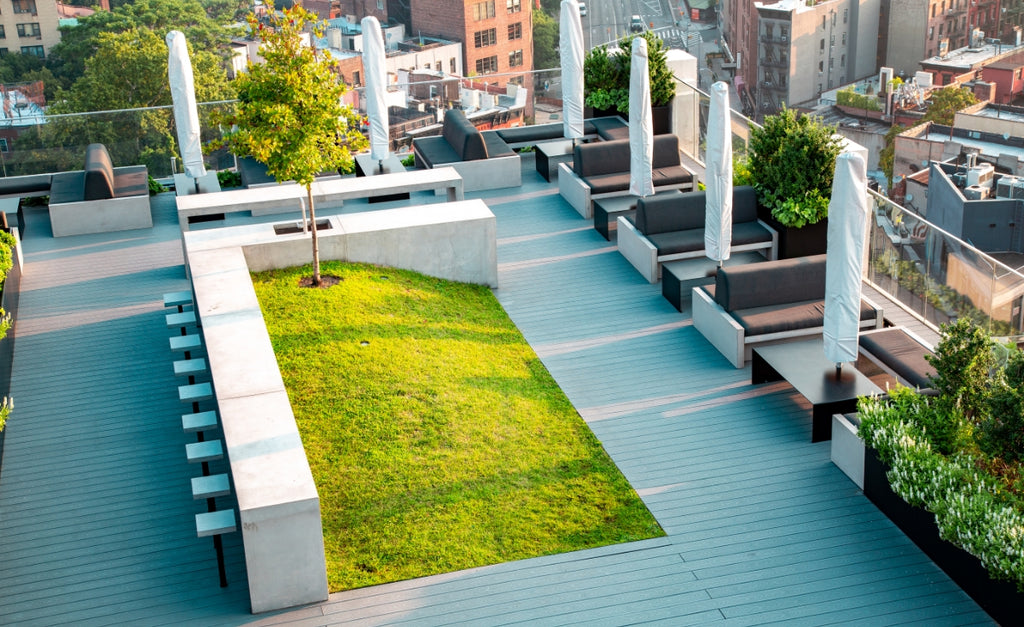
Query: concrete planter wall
x,y
9,301
999,598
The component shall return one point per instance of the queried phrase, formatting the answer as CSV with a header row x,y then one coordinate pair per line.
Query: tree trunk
x,y
316,243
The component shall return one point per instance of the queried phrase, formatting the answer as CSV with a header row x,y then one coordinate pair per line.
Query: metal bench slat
x,y
215,523
186,367
210,486
190,423
181,318
178,299
195,392
188,342
207,451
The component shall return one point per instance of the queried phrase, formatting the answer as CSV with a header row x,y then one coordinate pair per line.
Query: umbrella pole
x,y
839,370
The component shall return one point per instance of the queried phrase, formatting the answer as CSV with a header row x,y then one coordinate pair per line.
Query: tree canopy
x,y
946,102
289,114
545,41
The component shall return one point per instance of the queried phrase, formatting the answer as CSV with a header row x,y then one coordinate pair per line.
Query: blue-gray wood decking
x,y
96,517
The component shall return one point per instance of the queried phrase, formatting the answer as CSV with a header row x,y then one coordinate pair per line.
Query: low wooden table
x,y
550,154
368,166
804,366
678,278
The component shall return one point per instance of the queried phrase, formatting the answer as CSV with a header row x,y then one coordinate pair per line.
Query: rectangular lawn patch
x,y
437,439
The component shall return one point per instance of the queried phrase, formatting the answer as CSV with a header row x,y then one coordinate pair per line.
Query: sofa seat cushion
x,y
796,316
692,240
496,146
67,187
435,151
608,183
131,181
609,127
902,354
531,133
671,175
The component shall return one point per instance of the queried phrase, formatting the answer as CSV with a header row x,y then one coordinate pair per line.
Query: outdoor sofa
x,y
671,227
100,198
767,302
482,159
533,134
901,353
601,169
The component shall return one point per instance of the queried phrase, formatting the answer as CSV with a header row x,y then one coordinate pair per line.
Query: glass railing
x,y
932,273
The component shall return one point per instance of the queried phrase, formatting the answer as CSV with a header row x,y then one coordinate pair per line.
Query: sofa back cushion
x,y
462,136
666,213
99,173
744,204
771,283
666,151
597,158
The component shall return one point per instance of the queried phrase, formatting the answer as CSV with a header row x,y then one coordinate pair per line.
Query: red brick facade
x,y
497,35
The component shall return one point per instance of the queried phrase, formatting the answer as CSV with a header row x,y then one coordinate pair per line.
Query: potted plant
x,y
945,467
791,162
606,81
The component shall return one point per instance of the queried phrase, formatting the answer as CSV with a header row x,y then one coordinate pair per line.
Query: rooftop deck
x,y
96,517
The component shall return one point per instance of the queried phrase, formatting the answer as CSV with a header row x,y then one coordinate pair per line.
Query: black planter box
x,y
808,240
999,598
661,117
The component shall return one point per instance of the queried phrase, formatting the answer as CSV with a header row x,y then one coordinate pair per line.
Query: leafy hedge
x,y
850,98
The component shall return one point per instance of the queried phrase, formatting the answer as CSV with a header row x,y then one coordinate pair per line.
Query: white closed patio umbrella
x,y
718,176
570,45
374,56
844,265
186,115
641,130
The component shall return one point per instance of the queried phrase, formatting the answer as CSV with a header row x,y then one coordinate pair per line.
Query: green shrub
x,y
606,74
964,365
229,178
850,98
409,160
155,187
792,160
1000,431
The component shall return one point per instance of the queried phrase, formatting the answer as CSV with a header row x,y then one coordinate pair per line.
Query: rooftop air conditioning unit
x,y
1005,185
981,175
975,192
959,179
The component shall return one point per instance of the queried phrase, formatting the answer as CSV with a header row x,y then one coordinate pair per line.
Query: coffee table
x,y
367,166
550,154
804,366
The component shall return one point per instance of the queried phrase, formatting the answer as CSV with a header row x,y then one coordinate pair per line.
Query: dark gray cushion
x,y
791,317
771,283
596,158
671,175
99,173
67,187
9,186
607,183
131,180
691,240
900,353
609,127
496,146
530,133
744,204
675,212
434,151
666,151
462,136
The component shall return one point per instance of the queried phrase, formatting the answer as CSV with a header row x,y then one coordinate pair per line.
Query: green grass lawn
x,y
437,439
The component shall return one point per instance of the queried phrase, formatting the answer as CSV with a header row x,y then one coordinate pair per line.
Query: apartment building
x,y
497,34
28,26
790,51
920,29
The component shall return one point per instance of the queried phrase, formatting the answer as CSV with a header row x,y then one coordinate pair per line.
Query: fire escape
x,y
773,70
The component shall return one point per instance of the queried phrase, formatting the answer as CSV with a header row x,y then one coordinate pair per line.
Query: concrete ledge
x,y
490,173
278,504
100,216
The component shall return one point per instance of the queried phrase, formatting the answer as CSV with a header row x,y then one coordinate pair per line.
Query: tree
x,y
946,102
887,156
545,41
289,114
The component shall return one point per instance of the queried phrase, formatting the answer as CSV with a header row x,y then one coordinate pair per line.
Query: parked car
x,y
583,9
636,24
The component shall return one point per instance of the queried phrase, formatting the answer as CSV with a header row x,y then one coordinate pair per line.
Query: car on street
x,y
583,9
636,24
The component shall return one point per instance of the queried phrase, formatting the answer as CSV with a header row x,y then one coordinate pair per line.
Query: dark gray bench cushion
x,y
99,173
496,146
690,240
771,283
67,187
607,128
533,133
901,353
31,184
131,180
462,136
790,317
599,158
604,166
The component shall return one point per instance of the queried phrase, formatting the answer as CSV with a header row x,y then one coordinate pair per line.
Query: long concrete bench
x,y
278,504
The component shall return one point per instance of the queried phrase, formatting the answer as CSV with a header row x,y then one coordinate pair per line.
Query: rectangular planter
x,y
999,598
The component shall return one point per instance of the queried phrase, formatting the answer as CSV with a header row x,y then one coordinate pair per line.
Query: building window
x,y
380,5
846,14
515,58
483,38
437,66
24,6
3,145
821,67
34,50
487,65
29,30
513,6
844,38
3,33
842,61
831,40
516,80
515,31
823,24
830,60
821,45
356,79
483,10
3,52
931,33
451,64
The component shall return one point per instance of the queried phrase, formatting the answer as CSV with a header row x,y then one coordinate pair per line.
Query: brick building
x,y
497,34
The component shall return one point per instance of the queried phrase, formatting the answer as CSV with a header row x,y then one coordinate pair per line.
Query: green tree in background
x,y
545,41
946,102
289,114
887,156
